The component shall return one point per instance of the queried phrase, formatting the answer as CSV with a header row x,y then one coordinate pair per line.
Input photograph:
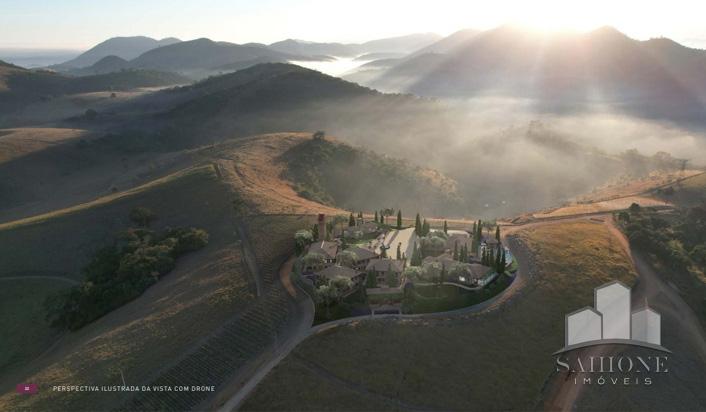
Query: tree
x,y
302,239
399,250
391,277
371,281
474,230
425,228
382,217
315,232
360,215
319,135
455,256
416,256
446,227
142,216
635,208
327,294
351,221
399,219
497,233
383,251
503,263
412,273
376,216
418,225
313,260
347,258
498,260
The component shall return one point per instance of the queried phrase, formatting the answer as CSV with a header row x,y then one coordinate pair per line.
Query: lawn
x,y
495,360
430,298
25,333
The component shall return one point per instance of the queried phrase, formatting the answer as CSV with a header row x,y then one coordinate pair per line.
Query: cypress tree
x,y
456,250
399,219
446,228
418,225
399,251
497,233
351,220
360,215
376,216
315,232
474,230
497,261
425,228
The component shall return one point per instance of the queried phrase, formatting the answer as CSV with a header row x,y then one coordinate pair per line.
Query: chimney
x,y
322,226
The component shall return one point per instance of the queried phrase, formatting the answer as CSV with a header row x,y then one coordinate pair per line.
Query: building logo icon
x,y
612,322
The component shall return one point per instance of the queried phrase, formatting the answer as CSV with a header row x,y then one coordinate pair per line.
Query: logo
x,y
27,388
612,322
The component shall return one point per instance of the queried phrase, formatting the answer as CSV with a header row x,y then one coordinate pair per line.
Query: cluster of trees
x,y
121,272
421,227
678,242
330,292
496,259
461,254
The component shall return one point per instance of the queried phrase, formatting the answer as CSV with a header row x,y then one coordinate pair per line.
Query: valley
x,y
408,234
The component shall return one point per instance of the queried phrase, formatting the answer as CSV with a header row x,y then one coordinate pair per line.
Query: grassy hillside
x,y
20,87
206,289
687,192
351,178
455,364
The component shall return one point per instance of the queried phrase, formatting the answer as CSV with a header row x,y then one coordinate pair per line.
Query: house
x,y
477,272
380,268
364,256
328,250
337,271
458,240
487,243
361,230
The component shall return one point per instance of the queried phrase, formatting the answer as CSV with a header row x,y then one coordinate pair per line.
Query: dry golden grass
x,y
495,360
15,143
253,168
602,206
630,187
206,289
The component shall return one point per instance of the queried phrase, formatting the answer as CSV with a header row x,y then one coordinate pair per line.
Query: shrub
x,y
142,216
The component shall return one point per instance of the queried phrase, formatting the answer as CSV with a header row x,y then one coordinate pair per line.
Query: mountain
x,y
449,42
20,87
293,46
107,64
204,54
656,78
393,45
124,47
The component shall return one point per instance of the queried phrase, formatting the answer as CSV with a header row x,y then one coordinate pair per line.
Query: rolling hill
x,y
20,87
124,47
399,45
657,78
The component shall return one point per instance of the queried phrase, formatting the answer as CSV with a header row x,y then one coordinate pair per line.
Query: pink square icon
x,y
27,388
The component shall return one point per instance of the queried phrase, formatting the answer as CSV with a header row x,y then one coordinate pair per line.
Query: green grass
x,y
498,360
430,298
25,332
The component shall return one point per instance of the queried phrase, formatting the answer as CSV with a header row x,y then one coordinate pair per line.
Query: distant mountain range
x,y
124,47
654,78
397,45
20,87
203,57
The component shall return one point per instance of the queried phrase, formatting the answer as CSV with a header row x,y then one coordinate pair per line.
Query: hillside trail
x,y
648,288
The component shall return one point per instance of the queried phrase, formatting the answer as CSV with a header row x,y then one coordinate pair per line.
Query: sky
x,y
80,24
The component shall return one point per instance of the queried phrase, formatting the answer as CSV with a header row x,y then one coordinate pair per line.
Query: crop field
x,y
456,363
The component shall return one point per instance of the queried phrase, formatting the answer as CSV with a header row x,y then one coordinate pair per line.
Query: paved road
x,y
520,281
